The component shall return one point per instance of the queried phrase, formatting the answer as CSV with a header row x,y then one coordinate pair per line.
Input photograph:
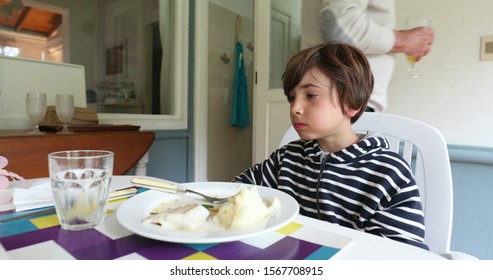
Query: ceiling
x,y
31,20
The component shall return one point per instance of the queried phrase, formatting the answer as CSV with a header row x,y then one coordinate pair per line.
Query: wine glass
x,y
411,59
36,109
64,106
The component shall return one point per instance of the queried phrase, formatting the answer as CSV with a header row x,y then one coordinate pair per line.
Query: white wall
x,y
455,90
20,75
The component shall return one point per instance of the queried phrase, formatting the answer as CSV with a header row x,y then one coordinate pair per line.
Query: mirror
x,y
132,51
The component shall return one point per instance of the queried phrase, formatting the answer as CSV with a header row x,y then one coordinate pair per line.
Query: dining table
x,y
302,238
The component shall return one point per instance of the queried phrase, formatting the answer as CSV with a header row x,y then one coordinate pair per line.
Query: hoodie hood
x,y
369,144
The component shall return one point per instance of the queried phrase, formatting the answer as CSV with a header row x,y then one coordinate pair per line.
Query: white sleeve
x,y
360,23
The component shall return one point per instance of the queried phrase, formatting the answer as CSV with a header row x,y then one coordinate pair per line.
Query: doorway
x,y
229,148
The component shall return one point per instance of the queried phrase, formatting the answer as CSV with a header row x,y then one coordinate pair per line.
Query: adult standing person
x,y
370,26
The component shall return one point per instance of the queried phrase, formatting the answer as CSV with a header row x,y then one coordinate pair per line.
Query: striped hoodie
x,y
364,186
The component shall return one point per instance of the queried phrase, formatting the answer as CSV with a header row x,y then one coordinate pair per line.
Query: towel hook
x,y
225,58
250,46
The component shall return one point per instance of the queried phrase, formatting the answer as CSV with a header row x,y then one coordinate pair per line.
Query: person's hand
x,y
416,41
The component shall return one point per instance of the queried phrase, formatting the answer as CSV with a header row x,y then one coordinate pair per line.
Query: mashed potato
x,y
244,209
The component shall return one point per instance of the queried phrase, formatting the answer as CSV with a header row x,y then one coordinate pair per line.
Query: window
x,y
24,45
9,51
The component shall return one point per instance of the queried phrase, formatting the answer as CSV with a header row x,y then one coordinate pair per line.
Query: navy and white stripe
x,y
365,186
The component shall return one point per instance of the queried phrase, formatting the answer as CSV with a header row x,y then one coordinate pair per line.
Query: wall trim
x,y
168,134
471,154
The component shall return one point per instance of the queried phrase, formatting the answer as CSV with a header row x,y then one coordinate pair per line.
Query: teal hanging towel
x,y
240,116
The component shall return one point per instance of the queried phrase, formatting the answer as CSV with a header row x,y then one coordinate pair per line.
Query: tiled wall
x,y
229,148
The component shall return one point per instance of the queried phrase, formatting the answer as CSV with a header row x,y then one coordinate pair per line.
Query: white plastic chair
x,y
425,149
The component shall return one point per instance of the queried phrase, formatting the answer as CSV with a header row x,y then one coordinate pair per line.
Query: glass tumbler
x,y
80,183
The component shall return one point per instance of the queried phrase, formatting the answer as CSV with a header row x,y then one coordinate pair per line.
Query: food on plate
x,y
241,210
187,217
244,209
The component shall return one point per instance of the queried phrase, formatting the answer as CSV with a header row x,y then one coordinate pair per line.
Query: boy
x,y
335,174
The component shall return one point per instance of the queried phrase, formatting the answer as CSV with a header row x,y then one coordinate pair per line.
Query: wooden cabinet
x,y
28,154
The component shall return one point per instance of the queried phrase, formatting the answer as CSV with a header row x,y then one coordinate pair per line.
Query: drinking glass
x,y
411,59
64,106
36,109
80,184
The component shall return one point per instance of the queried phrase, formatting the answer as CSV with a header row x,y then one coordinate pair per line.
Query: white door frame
x,y
201,54
270,109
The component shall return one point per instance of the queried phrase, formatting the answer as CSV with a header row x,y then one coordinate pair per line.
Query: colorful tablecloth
x,y
42,238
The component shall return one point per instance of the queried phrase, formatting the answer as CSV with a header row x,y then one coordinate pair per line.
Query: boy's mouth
x,y
298,125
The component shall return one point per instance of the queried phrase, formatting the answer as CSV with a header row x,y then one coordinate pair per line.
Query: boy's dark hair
x,y
345,65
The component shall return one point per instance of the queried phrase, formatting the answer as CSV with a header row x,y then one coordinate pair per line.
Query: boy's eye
x,y
311,95
290,99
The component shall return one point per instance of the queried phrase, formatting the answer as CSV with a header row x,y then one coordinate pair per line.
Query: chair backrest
x,y
425,149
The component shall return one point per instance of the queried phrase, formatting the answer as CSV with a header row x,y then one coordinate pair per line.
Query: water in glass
x,y
81,197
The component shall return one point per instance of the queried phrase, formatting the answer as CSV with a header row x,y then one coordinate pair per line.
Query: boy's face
x,y
315,109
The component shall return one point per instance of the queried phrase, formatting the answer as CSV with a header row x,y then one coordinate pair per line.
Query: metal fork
x,y
174,188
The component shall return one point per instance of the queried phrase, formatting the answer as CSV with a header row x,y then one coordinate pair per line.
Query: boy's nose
x,y
296,108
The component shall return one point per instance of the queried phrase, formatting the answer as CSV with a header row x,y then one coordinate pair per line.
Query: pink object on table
x,y
4,181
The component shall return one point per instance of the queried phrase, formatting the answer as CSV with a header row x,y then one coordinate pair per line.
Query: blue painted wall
x,y
169,156
472,174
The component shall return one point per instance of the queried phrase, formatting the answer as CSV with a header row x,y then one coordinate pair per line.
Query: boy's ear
x,y
351,112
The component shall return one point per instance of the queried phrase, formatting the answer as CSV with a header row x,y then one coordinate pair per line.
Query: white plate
x,y
133,211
